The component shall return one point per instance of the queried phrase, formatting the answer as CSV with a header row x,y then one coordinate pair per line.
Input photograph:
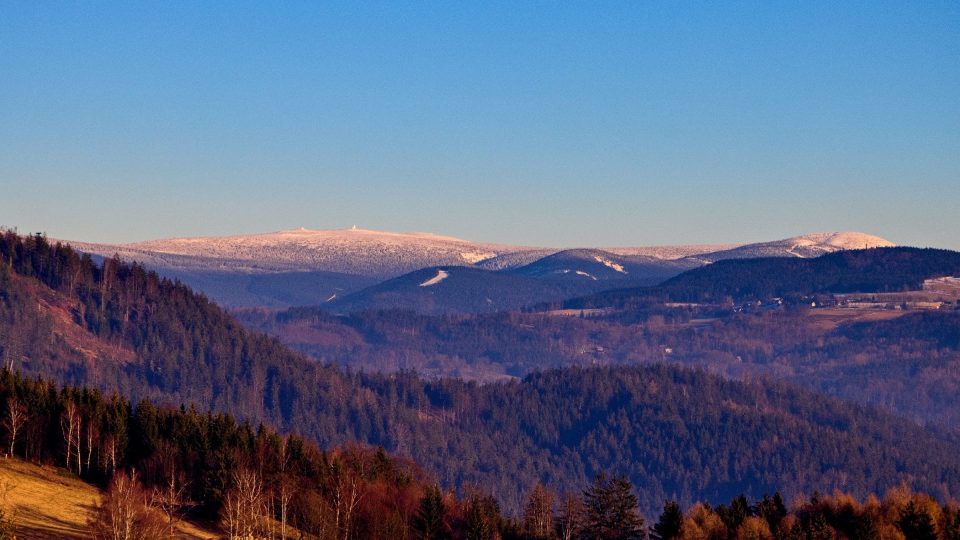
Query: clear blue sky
x,y
553,123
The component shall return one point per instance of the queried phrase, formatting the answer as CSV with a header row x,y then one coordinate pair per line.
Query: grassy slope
x,y
46,504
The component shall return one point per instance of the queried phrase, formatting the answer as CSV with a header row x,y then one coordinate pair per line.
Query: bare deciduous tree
x,y
91,438
171,500
16,416
124,513
538,513
569,520
285,489
244,512
347,491
70,425
108,454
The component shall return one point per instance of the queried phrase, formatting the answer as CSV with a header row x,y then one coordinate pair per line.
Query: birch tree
x,y
16,417
245,506
124,513
70,426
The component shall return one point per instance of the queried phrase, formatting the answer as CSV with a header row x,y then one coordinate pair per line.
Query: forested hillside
x,y
163,468
182,464
867,270
907,362
459,289
675,433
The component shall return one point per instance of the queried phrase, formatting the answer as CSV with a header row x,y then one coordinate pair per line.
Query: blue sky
x,y
553,123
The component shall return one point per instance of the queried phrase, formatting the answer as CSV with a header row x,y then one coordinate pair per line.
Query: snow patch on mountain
x,y
586,274
610,264
441,275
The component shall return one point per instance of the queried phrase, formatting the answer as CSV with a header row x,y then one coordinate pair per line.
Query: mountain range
x,y
350,269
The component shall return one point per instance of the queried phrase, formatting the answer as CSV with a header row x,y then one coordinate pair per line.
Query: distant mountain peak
x,y
844,240
803,246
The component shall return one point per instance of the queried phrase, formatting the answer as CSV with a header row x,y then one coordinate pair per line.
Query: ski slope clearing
x,y
441,275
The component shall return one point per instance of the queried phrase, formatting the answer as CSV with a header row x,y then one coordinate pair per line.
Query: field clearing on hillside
x,y
828,319
46,504
948,285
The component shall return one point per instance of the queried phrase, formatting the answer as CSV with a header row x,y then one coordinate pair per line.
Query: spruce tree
x,y
670,524
483,517
428,523
610,510
951,524
817,528
733,515
916,523
772,509
865,528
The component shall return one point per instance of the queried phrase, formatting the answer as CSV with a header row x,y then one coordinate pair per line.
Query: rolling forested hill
x,y
906,361
888,269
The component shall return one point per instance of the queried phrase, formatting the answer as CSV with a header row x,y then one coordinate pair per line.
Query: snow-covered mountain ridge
x,y
387,254
348,251
806,246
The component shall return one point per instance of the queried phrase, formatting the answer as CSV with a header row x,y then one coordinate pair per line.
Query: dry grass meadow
x,y
45,503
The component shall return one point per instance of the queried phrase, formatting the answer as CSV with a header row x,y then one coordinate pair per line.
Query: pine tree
x,y
734,514
611,510
670,524
951,524
772,509
865,528
916,524
816,526
428,523
483,517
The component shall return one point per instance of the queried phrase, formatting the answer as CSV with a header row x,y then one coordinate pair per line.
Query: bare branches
x,y
245,510
70,426
171,500
14,420
125,513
